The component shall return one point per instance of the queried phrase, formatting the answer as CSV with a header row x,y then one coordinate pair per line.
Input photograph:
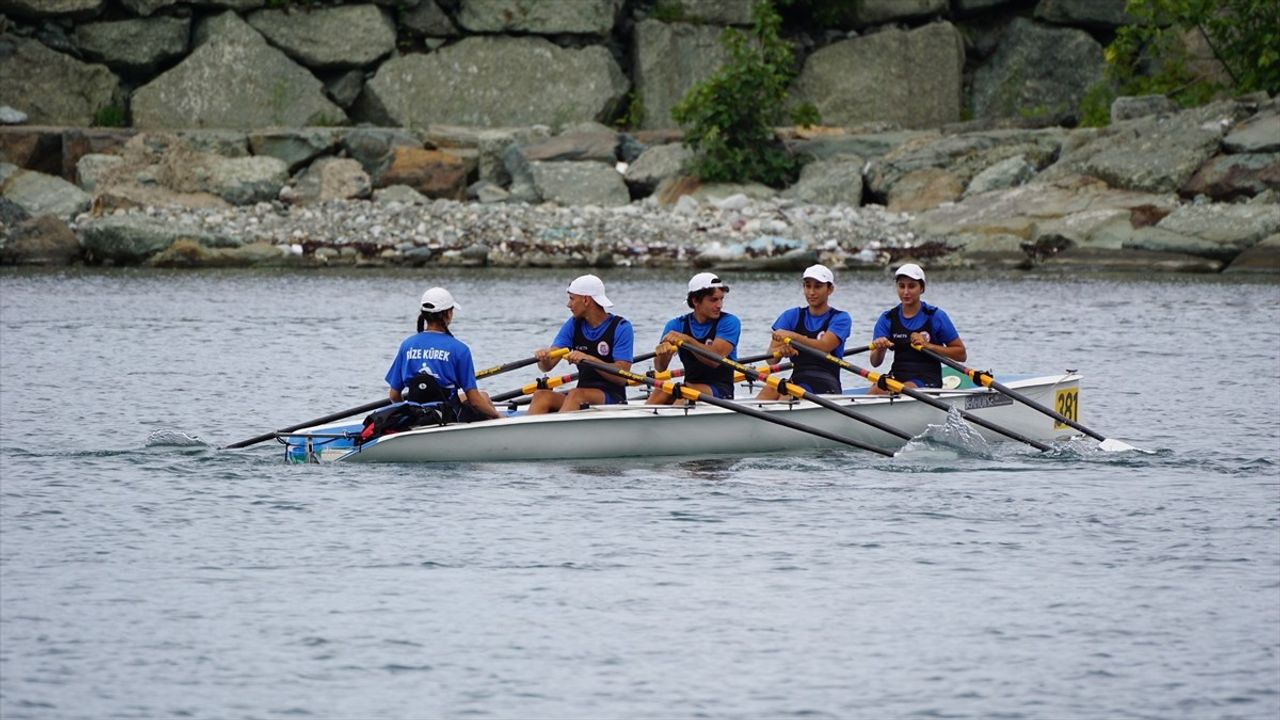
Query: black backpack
x,y
398,418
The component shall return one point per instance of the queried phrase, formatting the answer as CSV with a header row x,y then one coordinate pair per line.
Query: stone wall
x,y
494,63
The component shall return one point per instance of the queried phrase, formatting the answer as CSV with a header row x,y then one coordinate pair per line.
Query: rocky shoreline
x,y
1157,190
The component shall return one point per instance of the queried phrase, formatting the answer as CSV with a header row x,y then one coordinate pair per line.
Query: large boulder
x,y
235,80
656,164
328,179
52,88
1261,258
579,183
593,17
329,37
490,82
41,194
830,182
1219,231
146,7
912,78
963,156
1153,154
1037,71
295,146
33,148
428,19
1256,135
50,8
879,12
714,12
1232,177
138,45
43,240
667,60
78,142
246,180
595,145
1101,14
131,238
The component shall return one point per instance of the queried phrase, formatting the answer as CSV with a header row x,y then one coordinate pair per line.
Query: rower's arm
x,y
394,394
480,401
826,343
954,350
546,360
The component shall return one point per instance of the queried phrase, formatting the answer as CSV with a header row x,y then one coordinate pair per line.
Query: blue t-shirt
x,y
623,337
841,324
941,331
729,330
444,356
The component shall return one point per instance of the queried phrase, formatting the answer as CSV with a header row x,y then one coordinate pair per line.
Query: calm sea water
x,y
145,573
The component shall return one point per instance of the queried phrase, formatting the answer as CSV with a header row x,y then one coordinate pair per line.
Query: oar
x,y
792,389
559,353
693,395
892,385
367,407
985,379
547,383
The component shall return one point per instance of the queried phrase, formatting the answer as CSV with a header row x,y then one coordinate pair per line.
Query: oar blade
x,y
1114,445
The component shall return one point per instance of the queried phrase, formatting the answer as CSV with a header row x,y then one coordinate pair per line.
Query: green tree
x,y
729,118
1148,56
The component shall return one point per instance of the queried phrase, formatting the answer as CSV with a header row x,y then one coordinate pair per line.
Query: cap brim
x,y
602,301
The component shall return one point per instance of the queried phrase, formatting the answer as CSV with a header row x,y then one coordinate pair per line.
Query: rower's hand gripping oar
x,y
789,388
892,385
692,395
368,407
986,380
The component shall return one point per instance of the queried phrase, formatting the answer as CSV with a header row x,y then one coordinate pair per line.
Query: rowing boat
x,y
646,430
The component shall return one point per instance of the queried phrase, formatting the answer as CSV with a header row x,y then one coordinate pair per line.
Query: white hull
x,y
639,430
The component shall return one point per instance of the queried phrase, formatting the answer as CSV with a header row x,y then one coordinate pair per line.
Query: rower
x,y
707,326
914,322
590,332
816,324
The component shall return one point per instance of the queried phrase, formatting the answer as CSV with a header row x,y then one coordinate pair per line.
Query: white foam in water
x,y
168,437
953,434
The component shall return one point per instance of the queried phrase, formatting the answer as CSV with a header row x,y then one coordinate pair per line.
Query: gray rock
x,y
593,146
718,193
345,88
1005,174
234,80
847,80
295,147
329,179
865,145
830,182
227,143
247,180
93,167
1217,231
132,239
374,148
426,18
1233,177
1076,260
656,164
224,26
139,45
594,17
329,37
1101,14
487,193
146,7
490,82
968,6
1261,258
11,213
402,194
879,12
43,240
667,60
52,88
1129,107
1257,135
1037,71
716,12
10,116
1152,154
41,194
964,156
579,183
50,8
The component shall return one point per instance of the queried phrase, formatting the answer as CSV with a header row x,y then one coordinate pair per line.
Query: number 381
x,y
1067,403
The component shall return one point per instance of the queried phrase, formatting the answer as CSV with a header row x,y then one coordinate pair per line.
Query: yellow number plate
x,y
1067,404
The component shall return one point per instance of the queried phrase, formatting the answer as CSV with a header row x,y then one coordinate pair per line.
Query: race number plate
x,y
1067,403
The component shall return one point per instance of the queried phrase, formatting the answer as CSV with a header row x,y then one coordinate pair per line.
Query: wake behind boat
x,y
615,431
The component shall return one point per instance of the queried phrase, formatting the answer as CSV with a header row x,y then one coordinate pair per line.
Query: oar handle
x,y
692,395
897,387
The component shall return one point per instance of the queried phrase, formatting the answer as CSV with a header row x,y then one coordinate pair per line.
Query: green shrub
x,y
1148,56
729,118
110,116
1095,106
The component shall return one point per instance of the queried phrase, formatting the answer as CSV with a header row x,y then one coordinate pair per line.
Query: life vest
x,y
719,377
817,374
909,364
602,350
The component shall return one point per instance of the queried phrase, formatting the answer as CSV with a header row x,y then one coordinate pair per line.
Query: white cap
x,y
706,281
437,299
911,270
821,273
592,287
